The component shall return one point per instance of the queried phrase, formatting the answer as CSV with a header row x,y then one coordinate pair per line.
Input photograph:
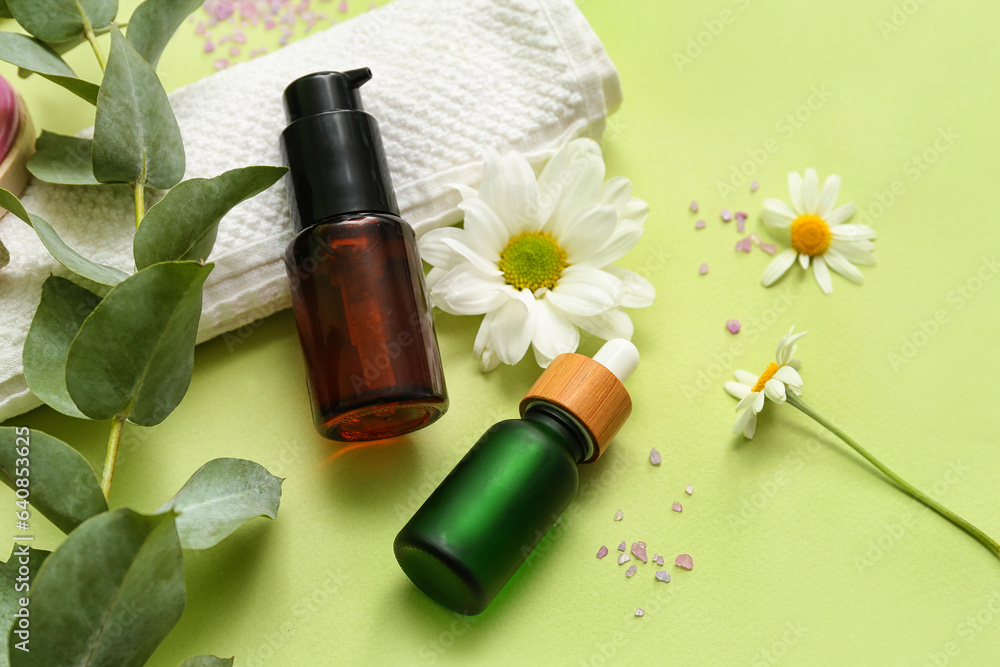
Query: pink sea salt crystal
x,y
726,215
741,215
623,558
654,457
234,50
677,507
689,489
754,185
694,207
769,248
342,7
700,224
658,559
744,245
621,547
639,551
662,575
639,611
703,269
631,570
209,47
221,63
618,515
602,552
741,225
684,561
733,326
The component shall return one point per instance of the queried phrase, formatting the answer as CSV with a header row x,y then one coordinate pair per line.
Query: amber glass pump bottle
x,y
361,306
482,522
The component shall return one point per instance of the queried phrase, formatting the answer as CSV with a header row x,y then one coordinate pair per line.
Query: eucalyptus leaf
x,y
220,497
60,314
184,224
5,13
71,259
63,485
62,159
108,595
207,661
134,354
33,55
56,21
136,137
154,22
4,255
14,584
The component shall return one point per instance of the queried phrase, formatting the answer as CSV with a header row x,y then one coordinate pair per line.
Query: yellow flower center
x,y
768,373
810,235
533,260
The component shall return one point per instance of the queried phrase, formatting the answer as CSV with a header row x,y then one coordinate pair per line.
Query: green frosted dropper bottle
x,y
489,513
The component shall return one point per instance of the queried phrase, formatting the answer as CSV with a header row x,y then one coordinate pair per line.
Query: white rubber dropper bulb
x,y
619,356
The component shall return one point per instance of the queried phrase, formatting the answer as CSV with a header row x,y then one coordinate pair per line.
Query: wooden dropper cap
x,y
590,390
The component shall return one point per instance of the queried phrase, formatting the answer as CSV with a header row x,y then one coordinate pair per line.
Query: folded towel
x,y
450,77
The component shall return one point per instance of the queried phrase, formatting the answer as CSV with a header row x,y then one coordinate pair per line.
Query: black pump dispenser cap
x,y
333,149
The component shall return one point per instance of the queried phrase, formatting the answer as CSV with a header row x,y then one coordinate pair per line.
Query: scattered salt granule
x,y
234,51
703,269
658,559
684,561
741,224
663,576
700,224
726,214
733,326
694,207
602,552
677,507
754,185
631,570
769,248
209,47
621,547
755,239
623,558
221,63
744,245
654,457
741,215
639,611
342,7
690,489
618,515
639,551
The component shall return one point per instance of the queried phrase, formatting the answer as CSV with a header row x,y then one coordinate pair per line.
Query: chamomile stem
x,y
117,422
905,486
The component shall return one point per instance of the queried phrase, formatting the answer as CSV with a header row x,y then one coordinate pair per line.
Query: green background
x,y
802,554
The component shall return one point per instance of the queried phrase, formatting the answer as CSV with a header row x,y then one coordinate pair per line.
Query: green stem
x,y
117,422
905,486
139,194
88,31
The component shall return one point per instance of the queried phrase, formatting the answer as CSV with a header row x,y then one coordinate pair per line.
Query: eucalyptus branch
x,y
117,422
88,31
139,194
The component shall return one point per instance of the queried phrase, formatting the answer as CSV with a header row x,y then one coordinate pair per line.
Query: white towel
x,y
450,77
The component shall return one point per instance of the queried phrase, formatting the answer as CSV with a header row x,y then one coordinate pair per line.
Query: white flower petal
x,y
612,323
491,190
465,191
637,211
584,290
758,403
466,291
853,232
636,291
436,253
840,264
586,232
745,377
625,236
617,192
789,376
795,192
828,197
737,389
512,329
810,191
483,335
520,209
778,266
803,260
433,276
822,275
841,214
775,390
777,213
750,427
483,265
747,401
854,252
741,422
574,176
485,232
554,333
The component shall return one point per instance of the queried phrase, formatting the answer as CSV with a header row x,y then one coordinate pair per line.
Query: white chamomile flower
x,y
779,377
534,255
818,232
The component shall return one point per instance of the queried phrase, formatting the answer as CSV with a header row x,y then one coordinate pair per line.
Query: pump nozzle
x,y
321,92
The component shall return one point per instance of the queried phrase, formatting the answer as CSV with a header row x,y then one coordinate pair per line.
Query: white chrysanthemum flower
x,y
535,256
818,232
777,378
